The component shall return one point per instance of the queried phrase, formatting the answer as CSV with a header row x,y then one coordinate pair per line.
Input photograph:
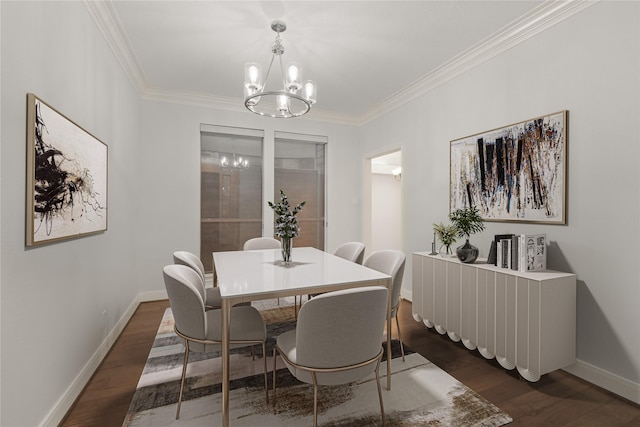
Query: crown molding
x,y
106,19
234,104
539,19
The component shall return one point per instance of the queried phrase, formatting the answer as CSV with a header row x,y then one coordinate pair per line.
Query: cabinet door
x,y
416,288
453,300
528,324
505,320
440,295
428,294
486,313
468,311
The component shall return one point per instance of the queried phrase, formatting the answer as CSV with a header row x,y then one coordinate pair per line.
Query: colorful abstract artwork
x,y
514,173
66,177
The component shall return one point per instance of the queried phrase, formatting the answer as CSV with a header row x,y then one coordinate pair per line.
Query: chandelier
x,y
294,99
234,163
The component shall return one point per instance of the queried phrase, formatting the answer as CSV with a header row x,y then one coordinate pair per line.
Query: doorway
x,y
383,202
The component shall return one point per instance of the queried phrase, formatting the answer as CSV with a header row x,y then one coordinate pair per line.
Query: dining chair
x,y
352,251
202,330
212,298
390,262
268,243
262,243
336,340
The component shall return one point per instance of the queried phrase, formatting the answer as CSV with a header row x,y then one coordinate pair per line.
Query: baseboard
x,y
152,296
406,294
62,406
608,381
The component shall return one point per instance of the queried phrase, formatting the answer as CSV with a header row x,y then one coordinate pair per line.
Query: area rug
x,y
422,394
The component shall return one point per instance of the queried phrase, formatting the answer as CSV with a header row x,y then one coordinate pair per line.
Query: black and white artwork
x,y
66,177
514,173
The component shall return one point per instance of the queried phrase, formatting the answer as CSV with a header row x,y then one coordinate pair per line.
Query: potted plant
x,y
467,221
286,224
447,235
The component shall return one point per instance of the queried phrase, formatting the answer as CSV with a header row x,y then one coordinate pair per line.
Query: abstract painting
x,y
514,173
66,177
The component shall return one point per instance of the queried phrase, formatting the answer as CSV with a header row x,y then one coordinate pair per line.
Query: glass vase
x,y
287,246
467,253
445,251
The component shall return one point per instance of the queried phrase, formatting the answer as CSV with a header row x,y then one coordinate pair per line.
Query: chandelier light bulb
x,y
309,92
283,104
294,76
253,77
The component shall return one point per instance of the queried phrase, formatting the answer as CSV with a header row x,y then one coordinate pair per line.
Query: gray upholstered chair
x,y
262,243
352,251
390,262
202,330
337,340
265,243
211,296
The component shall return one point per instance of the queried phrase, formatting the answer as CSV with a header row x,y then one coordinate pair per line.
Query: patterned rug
x,y
422,394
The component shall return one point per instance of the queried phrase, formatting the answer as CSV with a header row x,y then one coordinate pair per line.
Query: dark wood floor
x,y
558,399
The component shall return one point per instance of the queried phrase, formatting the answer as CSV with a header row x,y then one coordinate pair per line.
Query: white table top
x,y
260,274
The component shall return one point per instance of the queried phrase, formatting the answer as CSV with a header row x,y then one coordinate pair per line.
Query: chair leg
x,y
274,376
253,353
400,338
315,399
380,391
264,357
184,373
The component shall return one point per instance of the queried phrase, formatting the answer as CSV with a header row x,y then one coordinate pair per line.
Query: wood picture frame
x,y
67,177
514,173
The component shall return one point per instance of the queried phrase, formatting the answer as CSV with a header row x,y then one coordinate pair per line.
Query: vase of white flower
x,y
287,245
286,224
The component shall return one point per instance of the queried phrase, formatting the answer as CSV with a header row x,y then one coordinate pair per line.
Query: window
x,y
299,170
235,186
230,189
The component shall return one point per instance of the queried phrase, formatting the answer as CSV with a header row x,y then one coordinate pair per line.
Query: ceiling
x,y
362,54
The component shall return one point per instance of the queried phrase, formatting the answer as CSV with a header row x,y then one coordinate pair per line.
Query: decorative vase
x,y
445,251
467,253
287,245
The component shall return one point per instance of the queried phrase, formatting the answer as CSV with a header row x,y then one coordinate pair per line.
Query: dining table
x,y
245,276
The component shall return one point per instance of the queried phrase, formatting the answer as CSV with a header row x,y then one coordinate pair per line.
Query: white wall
x,y
54,296
386,220
170,179
589,65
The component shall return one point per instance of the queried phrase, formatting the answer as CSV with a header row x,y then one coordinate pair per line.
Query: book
x,y
505,253
532,252
515,250
496,239
491,258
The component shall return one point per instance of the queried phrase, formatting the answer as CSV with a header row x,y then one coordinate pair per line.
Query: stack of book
x,y
521,252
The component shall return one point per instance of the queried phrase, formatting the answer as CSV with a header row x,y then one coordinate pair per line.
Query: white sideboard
x,y
525,320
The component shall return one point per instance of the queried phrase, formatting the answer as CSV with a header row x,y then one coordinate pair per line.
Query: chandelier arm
x,y
266,77
284,79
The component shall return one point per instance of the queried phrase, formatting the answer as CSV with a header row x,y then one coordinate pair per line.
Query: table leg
x,y
226,310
